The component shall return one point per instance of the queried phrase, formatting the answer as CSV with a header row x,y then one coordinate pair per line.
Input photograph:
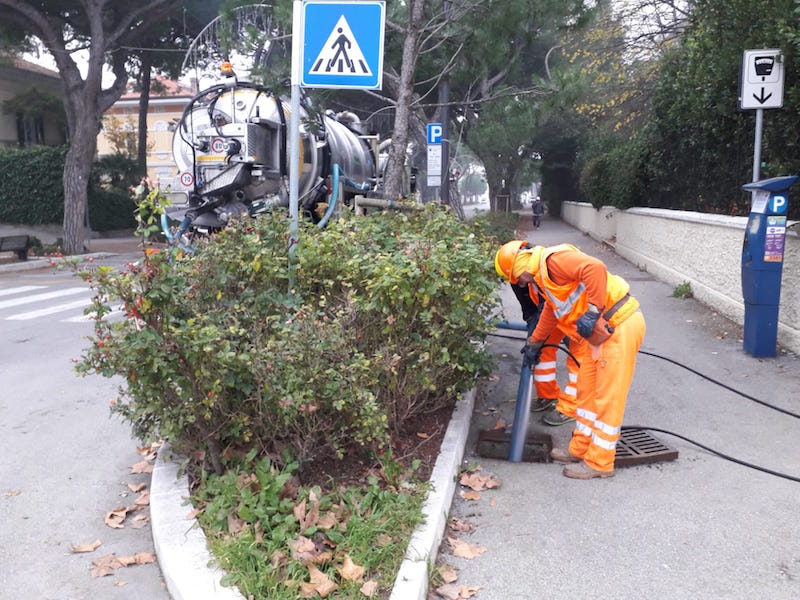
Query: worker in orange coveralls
x,y
561,404
603,320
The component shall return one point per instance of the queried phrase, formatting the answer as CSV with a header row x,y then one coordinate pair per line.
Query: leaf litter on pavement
x,y
118,518
473,481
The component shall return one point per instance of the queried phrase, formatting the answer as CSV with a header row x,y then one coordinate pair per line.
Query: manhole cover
x,y
497,444
637,447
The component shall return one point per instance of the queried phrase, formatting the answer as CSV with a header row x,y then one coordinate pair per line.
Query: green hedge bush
x,y
386,319
32,189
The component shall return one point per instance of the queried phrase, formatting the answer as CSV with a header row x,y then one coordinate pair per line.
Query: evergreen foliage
x,y
32,189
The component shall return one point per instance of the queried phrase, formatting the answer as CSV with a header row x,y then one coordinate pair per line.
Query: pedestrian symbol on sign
x,y
341,54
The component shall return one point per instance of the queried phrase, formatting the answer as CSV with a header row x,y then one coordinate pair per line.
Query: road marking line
x,y
117,312
20,290
47,311
45,296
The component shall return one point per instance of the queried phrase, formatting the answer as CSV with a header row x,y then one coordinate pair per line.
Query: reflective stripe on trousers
x,y
544,376
603,385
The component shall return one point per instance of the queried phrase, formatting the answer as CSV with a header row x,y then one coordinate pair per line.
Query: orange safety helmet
x,y
504,259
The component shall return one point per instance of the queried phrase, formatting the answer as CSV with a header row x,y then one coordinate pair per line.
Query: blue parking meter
x,y
762,263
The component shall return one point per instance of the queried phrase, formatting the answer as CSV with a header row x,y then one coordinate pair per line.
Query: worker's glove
x,y
586,322
532,351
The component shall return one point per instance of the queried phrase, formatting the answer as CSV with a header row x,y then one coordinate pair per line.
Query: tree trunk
x,y
393,181
77,169
144,102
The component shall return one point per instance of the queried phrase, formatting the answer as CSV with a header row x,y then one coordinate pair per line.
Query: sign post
x,y
434,155
760,87
334,45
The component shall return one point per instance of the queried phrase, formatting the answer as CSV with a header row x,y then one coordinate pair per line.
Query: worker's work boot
x,y
541,404
556,418
583,471
563,456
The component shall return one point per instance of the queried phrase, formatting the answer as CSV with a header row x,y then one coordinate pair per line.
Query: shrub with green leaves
x,y
385,320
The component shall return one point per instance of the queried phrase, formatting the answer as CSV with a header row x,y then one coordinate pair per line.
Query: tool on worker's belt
x,y
601,332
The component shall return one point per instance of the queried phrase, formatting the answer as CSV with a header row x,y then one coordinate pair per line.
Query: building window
x,y
30,130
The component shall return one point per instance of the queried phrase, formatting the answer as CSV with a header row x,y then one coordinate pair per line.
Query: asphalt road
x,y
65,462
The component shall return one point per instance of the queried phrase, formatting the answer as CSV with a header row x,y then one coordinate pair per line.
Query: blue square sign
x,y
342,44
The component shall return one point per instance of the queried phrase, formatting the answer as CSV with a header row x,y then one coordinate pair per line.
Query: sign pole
x,y
294,136
757,144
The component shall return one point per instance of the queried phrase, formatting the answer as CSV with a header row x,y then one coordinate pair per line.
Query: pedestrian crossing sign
x,y
342,44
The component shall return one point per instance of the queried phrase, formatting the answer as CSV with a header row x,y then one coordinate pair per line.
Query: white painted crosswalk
x,y
28,302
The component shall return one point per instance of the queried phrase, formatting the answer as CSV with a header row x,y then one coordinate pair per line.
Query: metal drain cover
x,y
497,444
637,447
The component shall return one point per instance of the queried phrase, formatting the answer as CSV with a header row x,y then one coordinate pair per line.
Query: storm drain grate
x,y
637,447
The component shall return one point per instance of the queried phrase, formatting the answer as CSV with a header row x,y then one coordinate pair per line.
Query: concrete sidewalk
x,y
696,527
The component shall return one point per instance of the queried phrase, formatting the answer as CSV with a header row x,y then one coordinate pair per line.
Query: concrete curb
x,y
186,563
188,567
411,582
41,262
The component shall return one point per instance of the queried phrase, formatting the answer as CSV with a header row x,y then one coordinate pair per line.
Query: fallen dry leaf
x,y
136,487
320,584
142,501
369,589
457,524
448,591
448,573
307,518
467,591
456,592
120,583
499,424
470,495
105,565
327,521
140,558
423,435
478,482
139,521
91,547
277,558
115,518
194,514
350,570
235,525
465,550
142,466
10,493
149,449
304,549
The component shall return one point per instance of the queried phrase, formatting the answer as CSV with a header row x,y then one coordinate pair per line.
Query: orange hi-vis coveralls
x,y
544,373
570,281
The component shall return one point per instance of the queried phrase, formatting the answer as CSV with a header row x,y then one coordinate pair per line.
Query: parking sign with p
x,y
434,133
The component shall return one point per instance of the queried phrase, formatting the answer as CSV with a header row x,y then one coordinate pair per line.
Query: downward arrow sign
x,y
763,98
